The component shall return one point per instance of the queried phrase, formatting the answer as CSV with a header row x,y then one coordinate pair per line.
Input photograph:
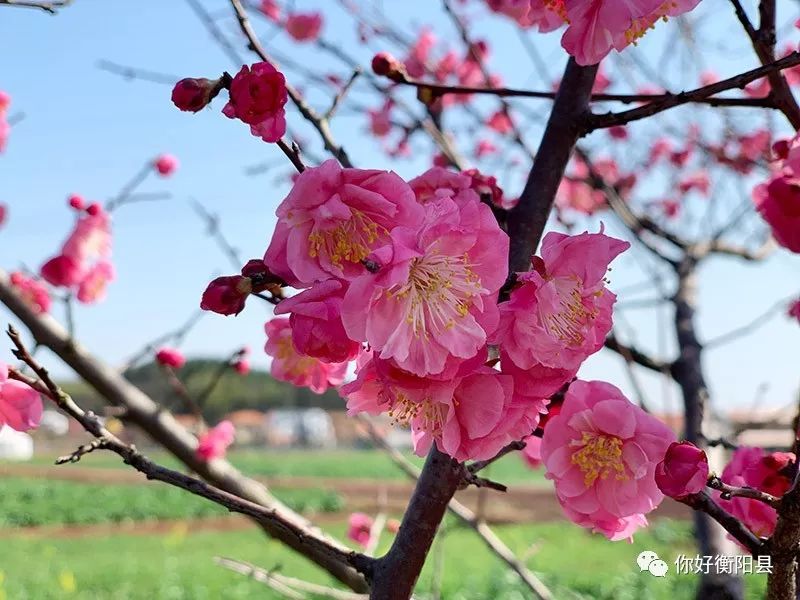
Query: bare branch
x,y
637,356
48,7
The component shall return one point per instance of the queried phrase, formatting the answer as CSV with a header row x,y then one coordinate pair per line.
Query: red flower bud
x,y
683,471
94,209
170,357
226,295
193,94
76,202
387,65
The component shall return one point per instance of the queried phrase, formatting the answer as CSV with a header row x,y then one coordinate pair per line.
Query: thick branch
x,y
703,502
566,124
163,428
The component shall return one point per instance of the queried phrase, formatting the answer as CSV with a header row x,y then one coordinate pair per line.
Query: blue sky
x,y
87,131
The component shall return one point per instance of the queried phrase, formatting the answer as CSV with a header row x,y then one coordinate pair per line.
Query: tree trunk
x,y
688,373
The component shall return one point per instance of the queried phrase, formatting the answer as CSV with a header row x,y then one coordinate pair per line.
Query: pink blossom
x,y
316,322
683,471
698,180
3,214
242,366
778,201
165,164
438,182
418,54
32,291
359,528
794,310
304,27
532,452
500,122
544,15
62,271
334,218
170,357
91,237
5,132
760,88
753,467
598,26
484,148
214,443
92,287
708,77
670,207
20,405
435,293
271,10
380,121
296,368
561,312
487,189
601,452
257,97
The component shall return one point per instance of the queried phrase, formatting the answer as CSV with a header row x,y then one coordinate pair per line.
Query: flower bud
x,y
226,295
193,94
683,471
75,201
170,357
165,164
387,65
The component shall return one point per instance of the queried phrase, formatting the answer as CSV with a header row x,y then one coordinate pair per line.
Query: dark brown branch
x,y
600,121
161,426
703,502
337,100
479,465
730,491
528,218
293,154
637,356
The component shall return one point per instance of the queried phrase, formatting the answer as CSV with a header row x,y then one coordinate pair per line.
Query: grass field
x,y
368,464
179,566
26,502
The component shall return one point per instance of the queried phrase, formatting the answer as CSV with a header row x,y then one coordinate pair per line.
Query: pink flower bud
x,y
192,94
94,209
226,295
257,97
683,471
165,164
75,201
304,27
62,271
170,357
385,64
3,214
242,366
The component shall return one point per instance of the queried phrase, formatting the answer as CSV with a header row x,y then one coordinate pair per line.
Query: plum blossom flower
x,y
435,294
359,528
469,412
226,295
778,202
601,452
794,310
62,271
290,365
165,164
271,10
560,314
683,471
544,15
316,322
92,287
5,128
170,357
334,218
304,27
438,182
32,291
754,467
257,97
20,405
242,366
214,443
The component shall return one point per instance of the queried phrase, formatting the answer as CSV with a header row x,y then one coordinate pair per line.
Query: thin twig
x,y
48,7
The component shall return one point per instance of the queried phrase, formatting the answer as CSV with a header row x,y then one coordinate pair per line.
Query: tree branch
x,y
637,356
48,7
162,427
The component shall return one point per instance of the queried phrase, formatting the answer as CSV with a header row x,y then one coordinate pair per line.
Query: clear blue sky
x,y
87,131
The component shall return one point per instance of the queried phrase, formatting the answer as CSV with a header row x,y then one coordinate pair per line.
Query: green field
x,y
346,464
179,565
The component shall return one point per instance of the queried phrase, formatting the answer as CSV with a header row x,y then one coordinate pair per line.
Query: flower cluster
x,y
405,278
778,199
83,265
594,27
33,291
